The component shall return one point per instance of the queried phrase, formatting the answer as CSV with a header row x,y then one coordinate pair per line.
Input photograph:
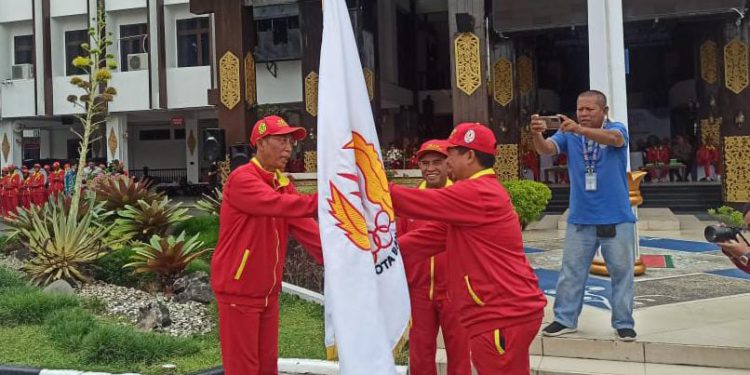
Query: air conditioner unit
x,y
22,71
137,61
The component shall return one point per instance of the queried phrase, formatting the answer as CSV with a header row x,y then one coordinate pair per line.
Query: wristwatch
x,y
744,259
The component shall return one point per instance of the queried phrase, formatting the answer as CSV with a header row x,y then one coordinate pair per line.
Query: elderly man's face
x,y
590,111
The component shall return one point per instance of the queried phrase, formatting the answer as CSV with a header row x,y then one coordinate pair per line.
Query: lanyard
x,y
590,154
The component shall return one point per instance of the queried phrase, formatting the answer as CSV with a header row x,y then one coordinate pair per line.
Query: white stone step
x,y
575,366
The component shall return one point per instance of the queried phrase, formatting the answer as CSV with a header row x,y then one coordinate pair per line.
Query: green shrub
x,y
529,198
198,265
69,327
109,268
206,226
10,279
26,305
109,343
728,216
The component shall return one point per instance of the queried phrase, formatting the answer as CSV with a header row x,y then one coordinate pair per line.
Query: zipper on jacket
x,y
276,265
473,295
432,277
243,263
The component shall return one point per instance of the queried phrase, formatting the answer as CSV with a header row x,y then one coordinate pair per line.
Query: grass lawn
x,y
70,339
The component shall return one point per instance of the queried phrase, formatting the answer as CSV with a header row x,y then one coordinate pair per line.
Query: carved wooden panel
x,y
112,142
711,131
229,80
311,161
502,81
709,60
468,64
737,172
736,66
525,68
251,93
506,162
370,82
191,142
311,93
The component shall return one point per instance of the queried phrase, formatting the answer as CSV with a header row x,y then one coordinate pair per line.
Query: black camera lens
x,y
716,233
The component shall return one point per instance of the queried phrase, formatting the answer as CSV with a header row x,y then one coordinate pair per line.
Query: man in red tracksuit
x,y
489,276
430,307
260,208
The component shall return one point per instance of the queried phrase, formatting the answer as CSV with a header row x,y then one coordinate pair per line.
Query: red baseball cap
x,y
275,125
475,136
433,145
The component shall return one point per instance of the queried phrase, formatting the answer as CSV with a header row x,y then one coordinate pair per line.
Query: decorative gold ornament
x,y
525,67
311,93
191,142
468,64
6,147
112,142
224,170
370,82
502,81
737,162
229,80
711,129
311,161
527,143
708,57
506,162
251,94
736,66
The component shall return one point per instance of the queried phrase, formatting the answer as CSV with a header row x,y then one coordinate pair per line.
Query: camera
x,y
716,233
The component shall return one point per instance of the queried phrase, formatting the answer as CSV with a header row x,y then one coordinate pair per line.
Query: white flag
x,y
367,298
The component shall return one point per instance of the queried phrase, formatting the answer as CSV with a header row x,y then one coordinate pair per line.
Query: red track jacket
x,y
489,275
258,211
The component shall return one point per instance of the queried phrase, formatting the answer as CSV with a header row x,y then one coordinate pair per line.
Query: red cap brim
x,y
298,133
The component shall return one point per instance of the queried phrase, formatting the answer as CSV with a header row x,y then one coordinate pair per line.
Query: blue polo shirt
x,y
610,203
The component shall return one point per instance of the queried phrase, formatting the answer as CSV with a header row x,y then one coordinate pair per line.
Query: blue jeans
x,y
581,243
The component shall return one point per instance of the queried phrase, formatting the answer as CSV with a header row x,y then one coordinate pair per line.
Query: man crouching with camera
x,y
600,213
737,249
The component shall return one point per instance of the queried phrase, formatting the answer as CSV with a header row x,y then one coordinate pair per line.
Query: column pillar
x,y
45,150
115,139
468,60
191,148
11,143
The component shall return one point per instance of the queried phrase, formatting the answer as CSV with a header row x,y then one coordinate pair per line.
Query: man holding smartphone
x,y
599,214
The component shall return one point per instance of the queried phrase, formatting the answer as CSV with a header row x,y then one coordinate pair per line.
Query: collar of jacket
x,y
483,172
276,179
423,184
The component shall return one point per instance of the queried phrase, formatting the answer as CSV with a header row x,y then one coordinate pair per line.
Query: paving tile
x,y
567,366
687,288
661,369
594,349
696,355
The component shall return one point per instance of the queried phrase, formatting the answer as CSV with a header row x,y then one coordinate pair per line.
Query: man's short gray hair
x,y
601,99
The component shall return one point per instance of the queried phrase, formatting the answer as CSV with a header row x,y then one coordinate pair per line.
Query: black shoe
x,y
626,334
555,329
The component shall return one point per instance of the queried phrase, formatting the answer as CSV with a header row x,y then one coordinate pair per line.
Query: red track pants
x,y
427,317
505,350
249,338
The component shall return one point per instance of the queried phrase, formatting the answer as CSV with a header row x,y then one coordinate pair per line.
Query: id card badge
x,y
590,181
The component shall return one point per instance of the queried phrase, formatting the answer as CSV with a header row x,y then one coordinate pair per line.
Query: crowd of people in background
x,y
662,156
23,186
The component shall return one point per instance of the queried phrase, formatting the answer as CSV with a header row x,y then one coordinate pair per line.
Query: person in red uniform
x,y
36,186
56,180
24,192
4,177
47,172
489,276
707,155
530,160
430,307
260,208
14,183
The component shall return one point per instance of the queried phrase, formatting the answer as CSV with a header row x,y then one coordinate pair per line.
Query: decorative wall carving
x,y
251,93
525,67
6,147
370,82
737,163
311,161
502,81
711,130
468,64
311,93
506,162
229,80
736,66
709,57
191,142
112,142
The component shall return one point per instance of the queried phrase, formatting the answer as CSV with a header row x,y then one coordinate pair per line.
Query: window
x,y
73,41
133,39
192,42
279,38
23,49
155,135
179,134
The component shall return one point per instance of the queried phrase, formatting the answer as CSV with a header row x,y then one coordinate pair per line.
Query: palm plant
x,y
166,257
63,245
119,191
143,220
210,203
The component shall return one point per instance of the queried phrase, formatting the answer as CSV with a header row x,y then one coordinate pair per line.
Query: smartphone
x,y
553,122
